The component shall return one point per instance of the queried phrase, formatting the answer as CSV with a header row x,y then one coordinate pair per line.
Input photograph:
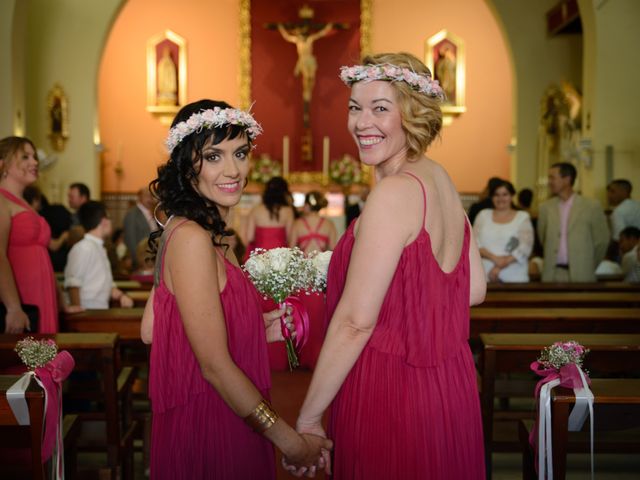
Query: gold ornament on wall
x,y
166,75
58,115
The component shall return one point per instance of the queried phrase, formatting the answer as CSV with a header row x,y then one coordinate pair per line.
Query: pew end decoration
x,y
560,364
49,368
282,274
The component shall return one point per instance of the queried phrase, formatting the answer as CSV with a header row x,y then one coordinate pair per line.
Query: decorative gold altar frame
x,y
245,77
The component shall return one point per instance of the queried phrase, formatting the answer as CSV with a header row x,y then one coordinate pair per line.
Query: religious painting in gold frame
x,y
445,57
166,74
58,115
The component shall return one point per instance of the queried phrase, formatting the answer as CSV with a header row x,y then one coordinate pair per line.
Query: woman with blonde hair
x,y
395,369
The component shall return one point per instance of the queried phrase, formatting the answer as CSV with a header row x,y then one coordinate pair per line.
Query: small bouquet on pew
x,y
49,368
560,364
282,273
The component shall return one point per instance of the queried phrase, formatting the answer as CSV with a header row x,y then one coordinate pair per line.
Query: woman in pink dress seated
x,y
395,369
209,373
311,233
26,274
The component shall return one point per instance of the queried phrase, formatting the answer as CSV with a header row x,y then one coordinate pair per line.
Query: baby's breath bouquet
x,y
264,169
345,171
560,354
36,353
281,273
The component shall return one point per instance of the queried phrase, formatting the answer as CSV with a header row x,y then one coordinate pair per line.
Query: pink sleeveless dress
x,y
409,408
194,433
29,258
314,303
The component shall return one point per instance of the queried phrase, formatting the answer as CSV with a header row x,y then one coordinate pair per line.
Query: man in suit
x,y
139,223
572,229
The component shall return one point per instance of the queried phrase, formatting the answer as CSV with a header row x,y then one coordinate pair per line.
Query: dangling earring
x,y
155,216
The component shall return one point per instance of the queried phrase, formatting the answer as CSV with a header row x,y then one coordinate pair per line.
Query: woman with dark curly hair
x,y
209,367
269,223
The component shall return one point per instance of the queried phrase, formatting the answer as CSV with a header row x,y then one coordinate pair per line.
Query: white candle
x,y
325,159
285,156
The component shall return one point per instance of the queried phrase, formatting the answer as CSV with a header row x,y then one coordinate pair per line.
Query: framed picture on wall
x,y
58,115
166,74
445,57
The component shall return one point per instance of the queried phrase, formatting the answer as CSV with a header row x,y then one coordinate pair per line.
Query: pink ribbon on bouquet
x,y
51,377
300,318
568,376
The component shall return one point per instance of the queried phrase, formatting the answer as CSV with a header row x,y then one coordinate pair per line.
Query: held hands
x,y
313,455
272,324
16,321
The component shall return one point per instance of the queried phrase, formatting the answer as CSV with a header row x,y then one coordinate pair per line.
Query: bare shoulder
x,y
189,238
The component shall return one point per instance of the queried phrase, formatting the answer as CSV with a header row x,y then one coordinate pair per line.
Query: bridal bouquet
x,y
282,273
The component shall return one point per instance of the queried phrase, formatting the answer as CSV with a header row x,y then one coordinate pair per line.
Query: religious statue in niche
x,y
445,57
560,129
166,74
167,79
57,109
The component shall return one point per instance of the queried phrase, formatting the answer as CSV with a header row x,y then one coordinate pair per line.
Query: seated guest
x,y
504,236
629,241
626,212
484,201
87,275
609,266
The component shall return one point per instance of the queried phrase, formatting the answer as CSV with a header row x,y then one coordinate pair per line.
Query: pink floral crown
x,y
215,118
422,83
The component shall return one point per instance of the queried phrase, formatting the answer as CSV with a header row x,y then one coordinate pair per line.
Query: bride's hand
x,y
272,324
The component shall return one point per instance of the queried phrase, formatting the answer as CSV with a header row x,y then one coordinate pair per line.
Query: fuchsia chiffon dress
x,y
409,408
314,303
29,258
195,435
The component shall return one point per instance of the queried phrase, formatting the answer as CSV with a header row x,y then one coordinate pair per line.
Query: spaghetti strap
x,y
424,196
159,269
306,224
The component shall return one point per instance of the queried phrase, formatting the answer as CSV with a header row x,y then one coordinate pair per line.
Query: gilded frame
x,y
152,73
453,57
58,115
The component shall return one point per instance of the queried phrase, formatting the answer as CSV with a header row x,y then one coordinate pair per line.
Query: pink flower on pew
x,y
562,353
36,353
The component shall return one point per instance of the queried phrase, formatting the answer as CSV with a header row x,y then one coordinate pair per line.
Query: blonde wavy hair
x,y
9,146
421,115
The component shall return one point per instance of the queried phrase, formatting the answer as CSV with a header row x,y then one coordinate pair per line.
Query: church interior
x,y
96,85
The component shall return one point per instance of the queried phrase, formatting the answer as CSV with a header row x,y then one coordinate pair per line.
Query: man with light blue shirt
x,y
626,212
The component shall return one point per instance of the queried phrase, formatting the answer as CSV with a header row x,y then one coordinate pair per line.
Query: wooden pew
x,y
123,321
566,287
15,436
509,353
96,352
555,299
549,320
624,394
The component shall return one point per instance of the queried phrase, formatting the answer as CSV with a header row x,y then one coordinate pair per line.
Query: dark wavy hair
x,y
276,194
175,186
315,200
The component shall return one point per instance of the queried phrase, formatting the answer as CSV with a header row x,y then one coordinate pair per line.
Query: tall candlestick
x,y
285,156
325,159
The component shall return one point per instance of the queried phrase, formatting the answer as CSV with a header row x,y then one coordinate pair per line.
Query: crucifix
x,y
303,34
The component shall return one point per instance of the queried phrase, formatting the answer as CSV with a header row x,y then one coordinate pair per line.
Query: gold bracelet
x,y
262,417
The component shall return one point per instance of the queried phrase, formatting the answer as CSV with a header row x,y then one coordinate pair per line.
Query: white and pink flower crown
x,y
422,83
213,118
